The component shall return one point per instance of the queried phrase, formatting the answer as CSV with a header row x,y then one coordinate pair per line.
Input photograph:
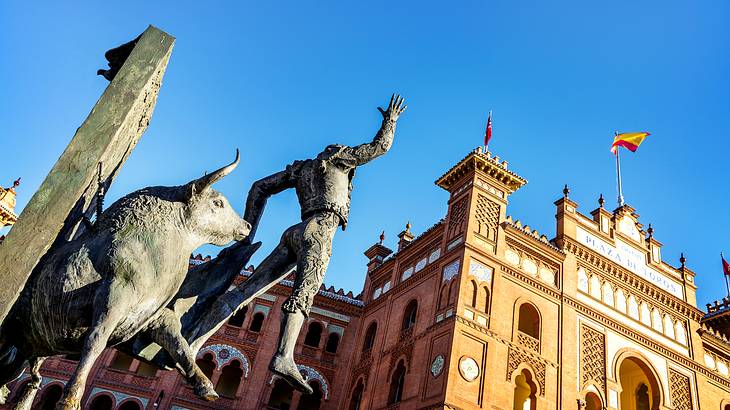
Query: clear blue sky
x,y
281,80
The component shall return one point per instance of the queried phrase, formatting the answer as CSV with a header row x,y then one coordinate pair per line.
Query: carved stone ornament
x,y
437,366
468,368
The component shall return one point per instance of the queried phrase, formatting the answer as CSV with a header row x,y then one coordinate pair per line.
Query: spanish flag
x,y
628,140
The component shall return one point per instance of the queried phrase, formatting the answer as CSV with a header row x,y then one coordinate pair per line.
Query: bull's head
x,y
210,214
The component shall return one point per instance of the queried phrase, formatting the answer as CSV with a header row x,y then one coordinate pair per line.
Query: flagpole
x,y
727,284
618,176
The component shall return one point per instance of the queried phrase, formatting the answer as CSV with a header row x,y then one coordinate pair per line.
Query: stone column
x,y
107,136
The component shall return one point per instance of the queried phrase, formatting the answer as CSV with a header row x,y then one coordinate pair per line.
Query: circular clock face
x,y
468,368
437,366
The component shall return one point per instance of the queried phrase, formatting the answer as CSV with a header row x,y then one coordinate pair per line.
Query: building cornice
x,y
476,160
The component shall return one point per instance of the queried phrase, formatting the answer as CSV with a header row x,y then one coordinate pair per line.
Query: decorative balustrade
x,y
528,342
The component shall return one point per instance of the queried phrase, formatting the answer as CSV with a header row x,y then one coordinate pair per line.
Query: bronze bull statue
x,y
119,281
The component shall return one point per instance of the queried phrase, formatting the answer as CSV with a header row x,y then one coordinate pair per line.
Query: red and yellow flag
x,y
628,140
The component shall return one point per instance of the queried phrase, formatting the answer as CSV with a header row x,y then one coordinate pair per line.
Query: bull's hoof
x,y
285,368
205,391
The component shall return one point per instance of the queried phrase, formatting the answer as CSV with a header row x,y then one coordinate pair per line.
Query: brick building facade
x,y
478,312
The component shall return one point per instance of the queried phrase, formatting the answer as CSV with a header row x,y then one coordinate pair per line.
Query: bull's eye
x,y
218,203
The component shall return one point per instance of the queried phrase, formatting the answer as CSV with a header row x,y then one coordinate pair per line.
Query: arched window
x,y
356,398
102,402
281,395
444,297
121,361
257,322
397,383
311,401
409,315
230,379
237,319
473,294
485,297
314,334
207,365
525,396
593,402
130,405
50,396
370,337
333,340
529,321
452,292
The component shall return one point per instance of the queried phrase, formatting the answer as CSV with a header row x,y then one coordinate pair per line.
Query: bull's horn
x,y
209,179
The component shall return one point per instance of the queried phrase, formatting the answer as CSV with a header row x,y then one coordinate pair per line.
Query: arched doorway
x,y
102,402
230,379
525,396
311,401
281,395
639,388
50,396
130,405
593,402
207,365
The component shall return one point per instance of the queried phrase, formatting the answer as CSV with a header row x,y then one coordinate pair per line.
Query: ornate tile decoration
x,y
224,354
311,374
434,255
487,215
593,357
480,271
406,274
437,366
457,218
421,264
680,390
451,270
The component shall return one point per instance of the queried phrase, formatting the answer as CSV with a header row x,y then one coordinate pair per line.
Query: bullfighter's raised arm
x,y
264,188
384,138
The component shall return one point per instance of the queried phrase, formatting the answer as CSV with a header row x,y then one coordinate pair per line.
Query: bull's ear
x,y
203,183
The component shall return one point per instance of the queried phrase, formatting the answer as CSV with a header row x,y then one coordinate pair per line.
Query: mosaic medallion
x,y
437,366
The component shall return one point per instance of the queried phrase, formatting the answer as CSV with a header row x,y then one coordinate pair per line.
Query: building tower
x,y
7,204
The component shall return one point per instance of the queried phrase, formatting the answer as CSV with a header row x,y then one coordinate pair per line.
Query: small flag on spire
x,y
488,131
725,266
628,140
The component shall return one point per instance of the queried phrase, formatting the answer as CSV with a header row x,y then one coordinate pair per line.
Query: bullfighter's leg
x,y
166,332
30,390
266,275
314,247
109,309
